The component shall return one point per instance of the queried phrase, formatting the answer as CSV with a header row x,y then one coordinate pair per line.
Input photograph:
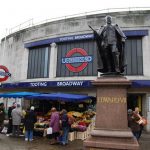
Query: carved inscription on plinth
x,y
112,100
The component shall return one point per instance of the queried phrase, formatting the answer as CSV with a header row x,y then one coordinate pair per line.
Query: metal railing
x,y
31,23
24,25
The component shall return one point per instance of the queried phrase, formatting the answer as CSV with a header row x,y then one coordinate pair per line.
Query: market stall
x,y
17,94
79,107
14,97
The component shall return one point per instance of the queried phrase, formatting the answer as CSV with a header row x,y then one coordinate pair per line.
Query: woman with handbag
x,y
141,120
54,123
132,123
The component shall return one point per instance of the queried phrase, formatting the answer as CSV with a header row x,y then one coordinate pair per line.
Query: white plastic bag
x,y
49,130
4,130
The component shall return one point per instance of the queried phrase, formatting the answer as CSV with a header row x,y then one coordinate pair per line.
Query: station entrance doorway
x,y
134,100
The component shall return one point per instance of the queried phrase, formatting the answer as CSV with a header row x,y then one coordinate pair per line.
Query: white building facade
x,y
60,56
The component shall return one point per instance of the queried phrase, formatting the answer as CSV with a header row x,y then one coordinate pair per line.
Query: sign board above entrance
x,y
44,84
60,39
80,37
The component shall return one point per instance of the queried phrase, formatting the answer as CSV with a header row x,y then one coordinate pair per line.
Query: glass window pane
x,y
38,62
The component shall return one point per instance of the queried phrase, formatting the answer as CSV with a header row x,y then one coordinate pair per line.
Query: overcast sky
x,y
15,12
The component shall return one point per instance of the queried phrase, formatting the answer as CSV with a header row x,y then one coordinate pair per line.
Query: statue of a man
x,y
110,41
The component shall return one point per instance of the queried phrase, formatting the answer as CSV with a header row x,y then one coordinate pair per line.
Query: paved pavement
x,y
40,143
11,143
145,141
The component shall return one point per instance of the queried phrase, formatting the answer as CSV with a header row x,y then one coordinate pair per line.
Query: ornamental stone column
x,y
53,61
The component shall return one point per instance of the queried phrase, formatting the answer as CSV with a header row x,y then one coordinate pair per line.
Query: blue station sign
x,y
60,39
44,84
80,37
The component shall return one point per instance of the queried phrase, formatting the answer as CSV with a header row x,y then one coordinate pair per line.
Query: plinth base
x,y
111,140
111,125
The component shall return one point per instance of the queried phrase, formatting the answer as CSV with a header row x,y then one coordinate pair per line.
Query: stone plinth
x,y
111,126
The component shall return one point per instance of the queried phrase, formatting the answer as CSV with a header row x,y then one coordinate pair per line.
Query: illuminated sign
x,y
82,60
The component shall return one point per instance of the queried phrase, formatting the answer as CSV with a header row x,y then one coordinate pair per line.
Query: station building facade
x,y
61,56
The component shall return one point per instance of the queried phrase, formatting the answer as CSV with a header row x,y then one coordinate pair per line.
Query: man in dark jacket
x,y
29,121
65,127
2,115
10,118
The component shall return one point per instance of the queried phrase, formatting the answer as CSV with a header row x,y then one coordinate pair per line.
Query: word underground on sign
x,y
111,100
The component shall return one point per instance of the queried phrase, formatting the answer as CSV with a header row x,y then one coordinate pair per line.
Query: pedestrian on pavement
x,y
29,121
9,130
65,127
16,120
2,116
132,123
54,123
137,112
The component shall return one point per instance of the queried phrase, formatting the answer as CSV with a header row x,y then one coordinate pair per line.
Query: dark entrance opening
x,y
134,100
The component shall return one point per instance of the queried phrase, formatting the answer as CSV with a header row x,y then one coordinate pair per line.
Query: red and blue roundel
x,y
71,59
4,73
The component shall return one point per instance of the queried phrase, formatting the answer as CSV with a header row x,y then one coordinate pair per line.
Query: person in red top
x,y
137,112
54,123
132,123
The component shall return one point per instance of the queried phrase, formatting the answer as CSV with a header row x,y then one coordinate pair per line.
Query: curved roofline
x,y
30,23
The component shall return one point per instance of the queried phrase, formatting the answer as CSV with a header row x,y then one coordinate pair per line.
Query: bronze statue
x,y
110,42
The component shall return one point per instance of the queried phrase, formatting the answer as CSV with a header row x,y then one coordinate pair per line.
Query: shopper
x,y
16,120
54,123
29,121
137,112
9,131
65,127
2,116
132,123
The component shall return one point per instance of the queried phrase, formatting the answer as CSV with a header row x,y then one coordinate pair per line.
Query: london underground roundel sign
x,y
71,58
4,73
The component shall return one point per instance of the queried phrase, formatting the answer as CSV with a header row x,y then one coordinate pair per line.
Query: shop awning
x,y
140,83
60,97
17,94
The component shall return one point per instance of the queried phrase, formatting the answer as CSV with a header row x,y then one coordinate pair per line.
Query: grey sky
x,y
15,12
